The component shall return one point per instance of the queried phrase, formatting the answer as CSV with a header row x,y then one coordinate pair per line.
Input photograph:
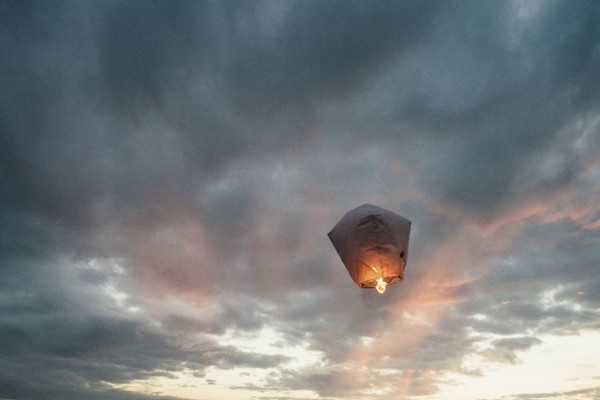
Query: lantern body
x,y
372,243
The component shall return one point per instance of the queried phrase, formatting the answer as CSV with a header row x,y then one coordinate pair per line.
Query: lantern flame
x,y
381,284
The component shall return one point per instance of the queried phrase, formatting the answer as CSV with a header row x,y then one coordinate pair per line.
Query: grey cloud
x,y
147,51
144,56
316,52
79,336
208,147
486,107
535,289
505,349
88,351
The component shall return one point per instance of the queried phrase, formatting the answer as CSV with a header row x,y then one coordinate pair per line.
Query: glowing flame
x,y
381,284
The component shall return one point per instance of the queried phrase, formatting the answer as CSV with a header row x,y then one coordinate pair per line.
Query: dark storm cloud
x,y
495,90
525,118
168,171
142,49
306,53
109,102
139,61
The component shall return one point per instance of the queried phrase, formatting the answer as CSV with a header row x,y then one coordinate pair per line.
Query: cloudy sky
x,y
169,172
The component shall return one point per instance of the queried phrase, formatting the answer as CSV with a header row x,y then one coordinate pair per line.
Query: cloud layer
x,y
169,171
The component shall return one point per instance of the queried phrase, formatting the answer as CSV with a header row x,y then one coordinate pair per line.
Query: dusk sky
x,y
169,172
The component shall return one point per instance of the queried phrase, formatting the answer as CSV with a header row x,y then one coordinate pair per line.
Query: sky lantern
x,y
373,245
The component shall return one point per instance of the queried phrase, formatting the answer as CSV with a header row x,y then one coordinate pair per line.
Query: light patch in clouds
x,y
231,383
185,384
559,364
269,341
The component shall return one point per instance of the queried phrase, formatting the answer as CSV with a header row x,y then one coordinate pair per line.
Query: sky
x,y
169,172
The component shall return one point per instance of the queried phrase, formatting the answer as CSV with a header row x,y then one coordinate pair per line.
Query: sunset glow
x,y
171,172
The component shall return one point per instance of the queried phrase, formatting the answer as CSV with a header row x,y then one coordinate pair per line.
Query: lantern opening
x,y
373,245
381,285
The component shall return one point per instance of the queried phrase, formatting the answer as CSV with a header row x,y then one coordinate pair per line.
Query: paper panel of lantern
x,y
373,245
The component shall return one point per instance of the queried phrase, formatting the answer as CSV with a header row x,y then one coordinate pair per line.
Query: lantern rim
x,y
389,280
